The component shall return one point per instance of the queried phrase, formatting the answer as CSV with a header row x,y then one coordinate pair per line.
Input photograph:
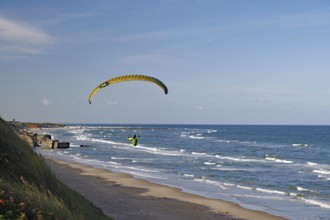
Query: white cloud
x,y
21,38
46,102
21,32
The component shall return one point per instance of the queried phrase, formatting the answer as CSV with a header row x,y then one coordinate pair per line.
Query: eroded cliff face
x,y
26,131
45,141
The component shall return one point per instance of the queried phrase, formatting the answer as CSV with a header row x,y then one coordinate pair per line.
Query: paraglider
x,y
127,78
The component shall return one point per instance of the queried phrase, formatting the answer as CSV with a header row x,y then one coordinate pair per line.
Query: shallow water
x,y
283,170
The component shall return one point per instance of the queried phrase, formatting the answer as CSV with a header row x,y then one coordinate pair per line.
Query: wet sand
x,y
124,197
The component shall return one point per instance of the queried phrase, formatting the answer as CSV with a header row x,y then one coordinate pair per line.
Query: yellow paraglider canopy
x,y
127,78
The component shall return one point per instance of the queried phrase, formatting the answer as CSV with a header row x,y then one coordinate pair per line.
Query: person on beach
x,y
134,139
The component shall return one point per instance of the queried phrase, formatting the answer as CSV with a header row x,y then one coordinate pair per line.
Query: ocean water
x,y
282,170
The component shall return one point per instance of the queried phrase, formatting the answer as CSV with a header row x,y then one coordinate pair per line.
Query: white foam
x,y
229,184
318,203
322,169
141,169
232,169
324,172
85,138
196,137
302,189
120,158
74,145
203,180
197,153
312,164
143,175
159,151
278,160
271,191
244,187
209,163
325,167
239,159
188,175
300,145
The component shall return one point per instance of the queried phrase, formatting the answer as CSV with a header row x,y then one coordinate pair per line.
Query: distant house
x,y
33,126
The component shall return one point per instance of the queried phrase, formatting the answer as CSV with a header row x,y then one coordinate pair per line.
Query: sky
x,y
223,61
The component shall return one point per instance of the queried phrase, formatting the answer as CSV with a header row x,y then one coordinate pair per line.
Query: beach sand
x,y
124,197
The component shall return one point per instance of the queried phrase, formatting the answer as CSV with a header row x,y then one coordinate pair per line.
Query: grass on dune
x,y
28,188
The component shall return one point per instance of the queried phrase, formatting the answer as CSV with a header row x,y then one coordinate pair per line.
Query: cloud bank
x,y
19,38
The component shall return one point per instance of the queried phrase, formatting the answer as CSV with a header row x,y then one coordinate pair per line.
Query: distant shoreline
x,y
28,125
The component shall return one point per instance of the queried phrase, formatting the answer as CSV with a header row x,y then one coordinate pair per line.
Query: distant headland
x,y
27,125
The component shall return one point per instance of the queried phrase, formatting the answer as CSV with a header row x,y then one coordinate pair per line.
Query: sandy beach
x,y
124,197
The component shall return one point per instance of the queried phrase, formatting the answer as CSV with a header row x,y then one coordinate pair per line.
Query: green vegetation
x,y
22,125
28,188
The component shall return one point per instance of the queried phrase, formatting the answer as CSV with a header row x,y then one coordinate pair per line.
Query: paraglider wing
x,y
127,78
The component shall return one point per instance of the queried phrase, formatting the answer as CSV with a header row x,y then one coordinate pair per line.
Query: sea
x,y
281,170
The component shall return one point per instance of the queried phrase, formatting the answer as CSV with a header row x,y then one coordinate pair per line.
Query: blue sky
x,y
224,61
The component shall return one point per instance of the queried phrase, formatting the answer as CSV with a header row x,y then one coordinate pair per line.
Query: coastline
x,y
124,197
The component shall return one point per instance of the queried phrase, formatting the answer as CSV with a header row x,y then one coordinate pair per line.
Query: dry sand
x,y
124,197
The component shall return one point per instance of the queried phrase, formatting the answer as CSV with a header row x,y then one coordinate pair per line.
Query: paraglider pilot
x,y
134,139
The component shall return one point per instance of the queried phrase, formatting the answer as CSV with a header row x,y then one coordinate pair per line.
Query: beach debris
x,y
84,145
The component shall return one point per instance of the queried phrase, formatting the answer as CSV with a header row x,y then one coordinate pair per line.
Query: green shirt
x,y
134,140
